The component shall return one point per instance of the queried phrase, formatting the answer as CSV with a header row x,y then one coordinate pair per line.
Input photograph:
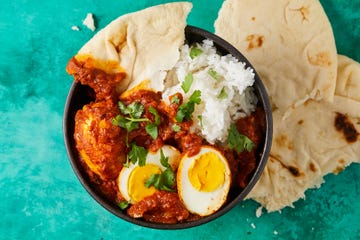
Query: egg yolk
x,y
136,188
207,172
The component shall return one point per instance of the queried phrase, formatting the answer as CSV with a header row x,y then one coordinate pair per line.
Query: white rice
x,y
217,114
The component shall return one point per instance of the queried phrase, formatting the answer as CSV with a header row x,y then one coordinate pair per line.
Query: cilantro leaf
x,y
214,74
152,130
195,97
164,181
123,108
131,116
195,52
186,84
152,180
176,128
123,204
135,110
238,141
137,154
156,115
222,94
185,110
123,122
168,177
175,99
164,160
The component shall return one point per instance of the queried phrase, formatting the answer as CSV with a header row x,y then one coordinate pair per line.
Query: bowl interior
x,y
80,95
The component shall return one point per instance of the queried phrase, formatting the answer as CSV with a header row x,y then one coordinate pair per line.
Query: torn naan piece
x,y
290,43
316,139
349,70
144,45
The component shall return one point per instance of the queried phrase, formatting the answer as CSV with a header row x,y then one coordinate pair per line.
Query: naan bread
x,y
314,92
316,139
144,44
289,42
349,70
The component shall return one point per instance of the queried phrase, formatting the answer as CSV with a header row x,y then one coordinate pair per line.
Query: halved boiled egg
x,y
131,179
203,181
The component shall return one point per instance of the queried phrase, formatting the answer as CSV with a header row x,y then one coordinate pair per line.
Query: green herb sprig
x,y
130,118
222,94
185,110
165,180
186,84
136,154
195,52
238,141
123,204
214,74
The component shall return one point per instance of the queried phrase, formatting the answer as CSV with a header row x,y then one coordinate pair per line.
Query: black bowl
x,y
79,95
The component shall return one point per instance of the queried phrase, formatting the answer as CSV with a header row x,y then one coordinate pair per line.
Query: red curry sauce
x,y
162,207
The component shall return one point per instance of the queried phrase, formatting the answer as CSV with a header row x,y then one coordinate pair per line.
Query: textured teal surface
x,y
41,198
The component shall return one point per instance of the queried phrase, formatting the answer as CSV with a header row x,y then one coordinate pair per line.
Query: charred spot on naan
x,y
283,141
343,125
312,167
321,59
294,170
254,41
304,11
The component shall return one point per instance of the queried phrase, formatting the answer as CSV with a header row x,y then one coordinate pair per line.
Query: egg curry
x,y
139,148
154,167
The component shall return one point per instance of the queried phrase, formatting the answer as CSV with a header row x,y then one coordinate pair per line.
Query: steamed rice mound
x,y
225,85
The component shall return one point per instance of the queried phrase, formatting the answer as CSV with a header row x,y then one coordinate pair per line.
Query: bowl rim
x,y
262,94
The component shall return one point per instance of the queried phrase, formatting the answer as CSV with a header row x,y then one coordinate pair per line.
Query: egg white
x,y
151,158
198,202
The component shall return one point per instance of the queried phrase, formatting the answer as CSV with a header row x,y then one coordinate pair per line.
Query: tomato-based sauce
x,y
104,85
103,146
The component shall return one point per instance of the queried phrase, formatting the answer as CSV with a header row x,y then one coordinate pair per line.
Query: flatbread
x,y
312,142
349,70
289,42
314,93
144,44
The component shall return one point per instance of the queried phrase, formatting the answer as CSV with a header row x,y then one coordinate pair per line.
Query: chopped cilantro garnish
x,y
214,74
137,154
176,128
194,52
186,109
130,117
134,109
222,94
165,180
175,99
152,130
186,84
238,141
154,112
123,204
195,97
164,160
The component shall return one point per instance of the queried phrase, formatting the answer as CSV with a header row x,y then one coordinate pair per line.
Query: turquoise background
x,y
41,198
